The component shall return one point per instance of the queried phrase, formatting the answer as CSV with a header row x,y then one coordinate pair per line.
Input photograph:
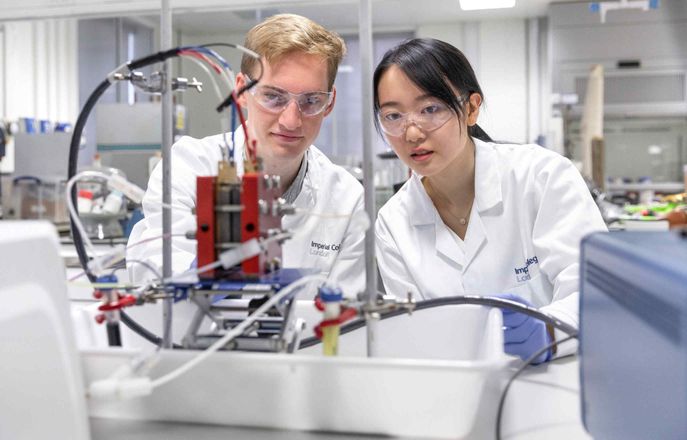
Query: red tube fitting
x,y
347,314
123,301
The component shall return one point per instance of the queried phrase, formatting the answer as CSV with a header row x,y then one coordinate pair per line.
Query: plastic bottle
x,y
331,298
113,202
84,202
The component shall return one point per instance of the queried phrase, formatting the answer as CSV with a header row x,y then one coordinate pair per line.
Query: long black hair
x,y
434,66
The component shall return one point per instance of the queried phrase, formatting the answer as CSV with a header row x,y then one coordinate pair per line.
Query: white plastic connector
x,y
232,257
102,262
127,188
121,389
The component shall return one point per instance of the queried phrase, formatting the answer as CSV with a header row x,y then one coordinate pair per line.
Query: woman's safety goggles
x,y
275,100
428,117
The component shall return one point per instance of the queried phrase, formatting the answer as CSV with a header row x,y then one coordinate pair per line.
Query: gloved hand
x,y
522,334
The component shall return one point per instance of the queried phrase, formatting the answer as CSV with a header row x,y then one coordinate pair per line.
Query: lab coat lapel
x,y
426,216
446,243
488,199
487,177
239,149
306,199
475,238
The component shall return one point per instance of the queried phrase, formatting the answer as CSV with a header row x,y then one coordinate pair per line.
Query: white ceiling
x,y
202,17
342,15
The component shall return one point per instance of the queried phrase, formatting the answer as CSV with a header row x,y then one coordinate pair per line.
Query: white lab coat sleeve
x,y
566,213
188,161
392,267
348,270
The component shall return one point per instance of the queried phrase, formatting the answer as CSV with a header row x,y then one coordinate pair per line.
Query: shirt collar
x,y
302,178
295,188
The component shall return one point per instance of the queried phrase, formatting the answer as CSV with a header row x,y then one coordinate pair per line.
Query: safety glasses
x,y
275,100
427,117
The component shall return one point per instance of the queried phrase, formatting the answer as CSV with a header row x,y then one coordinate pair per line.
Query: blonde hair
x,y
282,34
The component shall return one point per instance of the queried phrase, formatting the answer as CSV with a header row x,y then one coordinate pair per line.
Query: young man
x,y
285,112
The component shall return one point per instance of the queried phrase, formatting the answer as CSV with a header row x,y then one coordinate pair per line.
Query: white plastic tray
x,y
440,377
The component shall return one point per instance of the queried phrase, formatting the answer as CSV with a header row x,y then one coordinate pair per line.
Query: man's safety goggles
x,y
275,100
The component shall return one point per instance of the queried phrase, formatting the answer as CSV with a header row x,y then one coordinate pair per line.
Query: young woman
x,y
476,217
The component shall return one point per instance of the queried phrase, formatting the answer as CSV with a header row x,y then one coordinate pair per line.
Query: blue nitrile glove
x,y
522,334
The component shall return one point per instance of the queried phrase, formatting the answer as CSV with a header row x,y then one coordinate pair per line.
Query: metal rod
x,y
166,43
365,38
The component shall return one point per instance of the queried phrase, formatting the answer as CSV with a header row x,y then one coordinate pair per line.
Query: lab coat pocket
x,y
536,289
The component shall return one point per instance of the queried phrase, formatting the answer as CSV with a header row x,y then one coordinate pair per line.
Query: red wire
x,y
249,145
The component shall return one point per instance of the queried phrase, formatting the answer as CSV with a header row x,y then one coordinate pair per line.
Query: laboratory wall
x,y
497,50
39,76
643,53
644,57
103,45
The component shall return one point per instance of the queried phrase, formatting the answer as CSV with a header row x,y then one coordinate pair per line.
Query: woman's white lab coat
x,y
327,243
531,210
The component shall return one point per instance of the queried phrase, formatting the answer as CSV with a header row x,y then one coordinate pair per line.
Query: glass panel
x,y
641,148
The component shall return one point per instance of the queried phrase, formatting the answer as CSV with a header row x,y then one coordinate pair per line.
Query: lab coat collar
x,y
487,177
487,195
421,208
487,187
445,241
306,198
423,214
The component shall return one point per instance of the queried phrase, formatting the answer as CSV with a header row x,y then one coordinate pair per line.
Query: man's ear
x,y
241,80
473,104
330,107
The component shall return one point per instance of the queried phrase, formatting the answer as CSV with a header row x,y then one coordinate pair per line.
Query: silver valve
x,y
182,84
387,303
155,82
152,84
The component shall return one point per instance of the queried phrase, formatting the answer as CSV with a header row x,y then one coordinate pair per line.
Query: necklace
x,y
462,220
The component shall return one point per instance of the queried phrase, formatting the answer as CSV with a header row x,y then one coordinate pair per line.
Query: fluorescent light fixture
x,y
473,5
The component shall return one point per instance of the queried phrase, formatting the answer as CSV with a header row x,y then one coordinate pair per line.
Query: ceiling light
x,y
472,5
